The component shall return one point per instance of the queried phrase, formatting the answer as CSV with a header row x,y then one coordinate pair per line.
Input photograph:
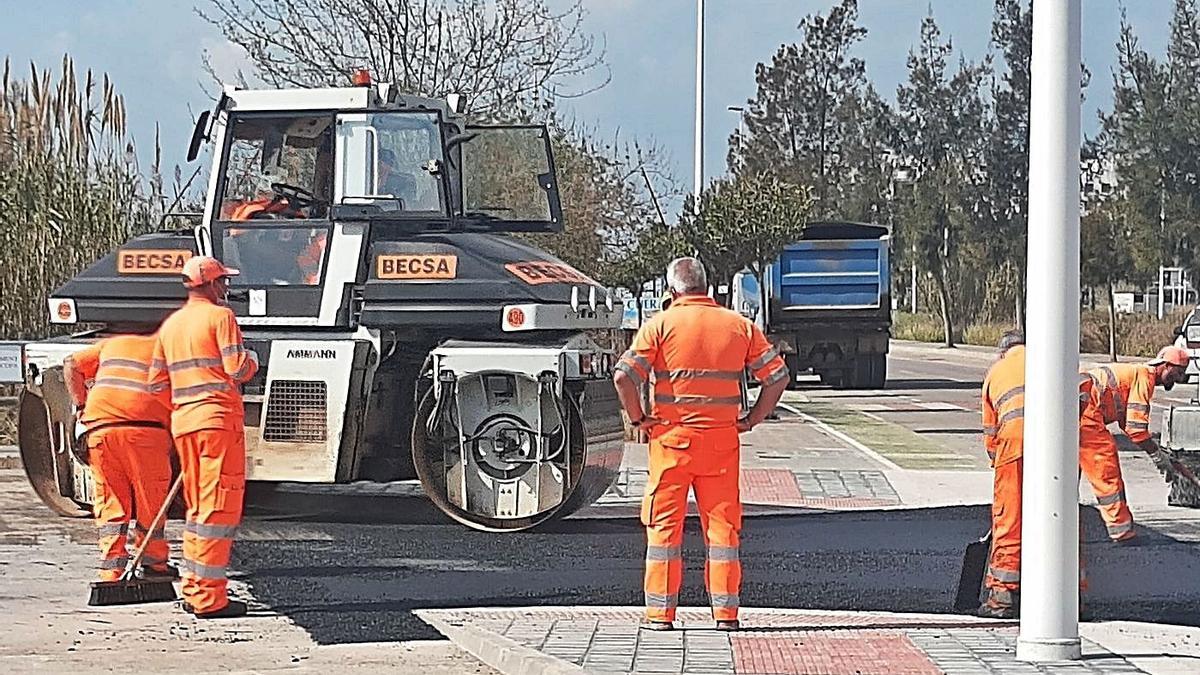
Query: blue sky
x,y
152,50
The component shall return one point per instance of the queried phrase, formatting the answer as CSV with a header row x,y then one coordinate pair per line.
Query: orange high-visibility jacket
x,y
1003,405
696,353
1125,392
310,258
116,369
200,356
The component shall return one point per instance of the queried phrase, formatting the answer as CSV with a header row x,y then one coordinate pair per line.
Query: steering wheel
x,y
297,197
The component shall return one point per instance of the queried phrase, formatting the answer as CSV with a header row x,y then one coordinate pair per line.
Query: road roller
x,y
405,325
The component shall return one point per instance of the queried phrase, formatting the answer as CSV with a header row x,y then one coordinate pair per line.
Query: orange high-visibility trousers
x,y
706,461
131,475
1004,565
1099,462
213,462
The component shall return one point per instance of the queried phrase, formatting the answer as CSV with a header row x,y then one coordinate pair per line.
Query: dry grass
x,y
1137,334
8,422
70,189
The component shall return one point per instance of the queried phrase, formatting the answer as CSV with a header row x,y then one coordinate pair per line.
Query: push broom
x,y
130,589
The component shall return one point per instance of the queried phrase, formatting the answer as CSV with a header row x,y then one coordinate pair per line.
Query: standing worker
x,y
696,354
1003,406
1124,391
128,447
201,355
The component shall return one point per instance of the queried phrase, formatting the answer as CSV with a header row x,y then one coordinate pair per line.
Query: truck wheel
x,y
869,372
878,371
792,361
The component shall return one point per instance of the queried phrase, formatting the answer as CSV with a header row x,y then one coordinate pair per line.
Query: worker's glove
x,y
79,446
1162,461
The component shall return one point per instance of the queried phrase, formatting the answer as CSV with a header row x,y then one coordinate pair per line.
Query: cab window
x,y
278,167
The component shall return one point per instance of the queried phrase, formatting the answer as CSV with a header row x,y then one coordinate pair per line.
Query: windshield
x,y
278,167
269,255
391,160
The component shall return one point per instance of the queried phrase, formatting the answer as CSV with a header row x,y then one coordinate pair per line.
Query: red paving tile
x,y
853,652
771,486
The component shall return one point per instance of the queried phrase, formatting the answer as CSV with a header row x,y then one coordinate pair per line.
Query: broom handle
x,y
158,520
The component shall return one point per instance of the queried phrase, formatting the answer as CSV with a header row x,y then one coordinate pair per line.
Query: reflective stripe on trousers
x,y
213,463
1099,463
712,472
131,474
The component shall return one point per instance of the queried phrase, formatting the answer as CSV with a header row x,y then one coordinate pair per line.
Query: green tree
x,y
1107,240
797,124
1004,198
744,222
1151,135
942,126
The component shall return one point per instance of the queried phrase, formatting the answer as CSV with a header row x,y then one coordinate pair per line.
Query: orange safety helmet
x,y
203,269
1176,356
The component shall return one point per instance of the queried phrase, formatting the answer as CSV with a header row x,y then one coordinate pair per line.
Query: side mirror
x,y
198,136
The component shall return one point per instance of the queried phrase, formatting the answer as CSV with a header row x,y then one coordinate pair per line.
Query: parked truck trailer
x,y
828,305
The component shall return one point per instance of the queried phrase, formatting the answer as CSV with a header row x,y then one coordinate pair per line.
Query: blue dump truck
x,y
828,305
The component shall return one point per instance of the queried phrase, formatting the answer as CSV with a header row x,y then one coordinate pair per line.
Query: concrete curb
x,y
981,353
497,651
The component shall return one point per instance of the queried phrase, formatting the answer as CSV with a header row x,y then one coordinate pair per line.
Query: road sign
x,y
11,361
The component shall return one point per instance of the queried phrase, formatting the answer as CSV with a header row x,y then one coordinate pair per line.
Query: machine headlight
x,y
1193,333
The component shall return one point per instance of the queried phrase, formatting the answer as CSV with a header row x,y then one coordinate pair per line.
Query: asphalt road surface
x,y
350,569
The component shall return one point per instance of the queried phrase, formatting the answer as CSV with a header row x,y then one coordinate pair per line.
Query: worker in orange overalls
x,y
695,355
128,448
201,357
1125,390
1003,405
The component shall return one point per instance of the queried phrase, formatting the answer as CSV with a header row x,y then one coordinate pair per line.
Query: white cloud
x,y
227,59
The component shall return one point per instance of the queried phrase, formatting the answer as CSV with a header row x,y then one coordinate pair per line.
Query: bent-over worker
x,y
1125,391
128,447
695,355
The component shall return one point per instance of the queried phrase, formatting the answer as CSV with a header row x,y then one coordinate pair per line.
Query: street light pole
x,y
1050,497
698,185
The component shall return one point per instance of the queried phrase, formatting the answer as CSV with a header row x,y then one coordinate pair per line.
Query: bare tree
x,y
503,55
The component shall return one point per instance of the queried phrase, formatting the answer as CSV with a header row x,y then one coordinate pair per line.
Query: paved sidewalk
x,y
606,640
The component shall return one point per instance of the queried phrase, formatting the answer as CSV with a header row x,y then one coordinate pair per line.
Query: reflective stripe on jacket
x,y
1003,406
695,355
201,358
116,370
1125,393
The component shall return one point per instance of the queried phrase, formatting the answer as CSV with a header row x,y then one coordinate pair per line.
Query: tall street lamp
x,y
741,113
699,149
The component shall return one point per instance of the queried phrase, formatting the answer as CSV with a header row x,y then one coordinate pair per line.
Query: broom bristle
x,y
131,592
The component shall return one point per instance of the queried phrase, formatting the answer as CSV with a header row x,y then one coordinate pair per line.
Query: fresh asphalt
x,y
352,568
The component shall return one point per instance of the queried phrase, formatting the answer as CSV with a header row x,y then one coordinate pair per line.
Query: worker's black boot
x,y
166,572
650,624
234,609
1000,604
729,625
